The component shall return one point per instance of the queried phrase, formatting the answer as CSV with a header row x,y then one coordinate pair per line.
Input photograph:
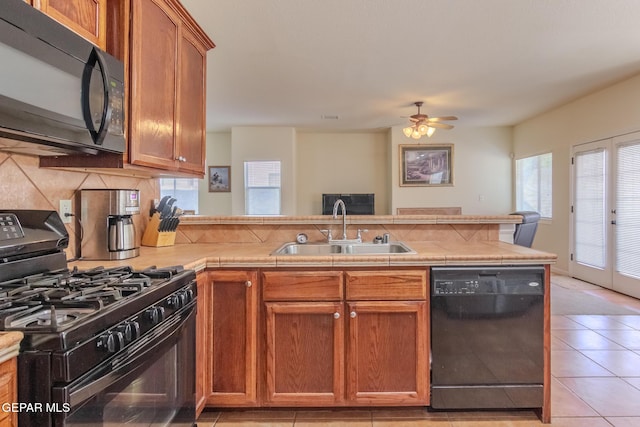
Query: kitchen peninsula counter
x,y
247,242
199,256
234,253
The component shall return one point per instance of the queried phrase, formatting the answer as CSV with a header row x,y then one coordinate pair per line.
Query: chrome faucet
x,y
336,205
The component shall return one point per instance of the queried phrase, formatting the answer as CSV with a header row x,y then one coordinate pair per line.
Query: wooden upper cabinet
x,y
164,52
88,18
168,88
191,132
154,54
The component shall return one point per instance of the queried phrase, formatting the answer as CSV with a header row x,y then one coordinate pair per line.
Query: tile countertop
x,y
9,345
199,256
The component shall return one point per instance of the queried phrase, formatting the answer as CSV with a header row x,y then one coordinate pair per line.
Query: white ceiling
x,y
489,62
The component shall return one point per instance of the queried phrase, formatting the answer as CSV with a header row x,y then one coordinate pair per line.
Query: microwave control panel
x,y
116,124
10,227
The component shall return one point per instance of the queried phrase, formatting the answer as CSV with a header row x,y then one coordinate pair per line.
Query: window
x,y
184,190
533,184
262,187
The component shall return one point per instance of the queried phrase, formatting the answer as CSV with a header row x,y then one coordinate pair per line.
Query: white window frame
x,y
267,183
542,200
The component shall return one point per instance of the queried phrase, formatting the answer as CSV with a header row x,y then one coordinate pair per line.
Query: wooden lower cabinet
x,y
8,391
346,353
202,333
305,353
232,335
387,353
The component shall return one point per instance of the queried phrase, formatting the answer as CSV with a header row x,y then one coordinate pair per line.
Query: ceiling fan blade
x,y
439,125
439,119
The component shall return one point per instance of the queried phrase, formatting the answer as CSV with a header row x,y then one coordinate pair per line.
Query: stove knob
x,y
125,330
130,331
152,314
135,329
189,293
111,341
175,301
160,311
184,298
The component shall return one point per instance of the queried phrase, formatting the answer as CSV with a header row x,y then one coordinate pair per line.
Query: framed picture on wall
x,y
219,179
426,165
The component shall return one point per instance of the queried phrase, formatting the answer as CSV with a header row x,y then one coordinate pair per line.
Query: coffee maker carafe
x,y
108,231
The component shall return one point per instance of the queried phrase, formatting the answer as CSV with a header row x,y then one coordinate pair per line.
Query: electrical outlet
x,y
65,208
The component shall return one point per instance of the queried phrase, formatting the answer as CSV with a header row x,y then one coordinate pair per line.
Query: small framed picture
x,y
426,165
219,179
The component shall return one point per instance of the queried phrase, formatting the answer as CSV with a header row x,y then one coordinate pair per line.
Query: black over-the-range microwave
x,y
59,94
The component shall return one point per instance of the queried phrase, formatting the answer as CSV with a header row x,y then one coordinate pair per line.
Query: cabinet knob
x,y
336,315
181,159
248,283
353,314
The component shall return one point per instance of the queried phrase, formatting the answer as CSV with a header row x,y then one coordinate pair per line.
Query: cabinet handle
x,y
353,314
248,283
336,315
181,159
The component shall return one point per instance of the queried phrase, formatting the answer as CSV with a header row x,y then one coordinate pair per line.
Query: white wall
x,y
342,163
364,162
481,171
218,154
609,112
263,143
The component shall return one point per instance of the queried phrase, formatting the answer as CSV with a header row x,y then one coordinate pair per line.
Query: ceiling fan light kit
x,y
425,125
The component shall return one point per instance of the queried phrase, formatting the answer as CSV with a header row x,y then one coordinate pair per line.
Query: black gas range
x,y
102,346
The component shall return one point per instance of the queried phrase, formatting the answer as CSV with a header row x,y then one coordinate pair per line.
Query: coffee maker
x,y
108,232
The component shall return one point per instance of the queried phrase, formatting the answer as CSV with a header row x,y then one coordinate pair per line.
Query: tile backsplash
x,y
24,185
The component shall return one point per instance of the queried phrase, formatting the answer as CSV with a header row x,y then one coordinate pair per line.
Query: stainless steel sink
x,y
336,248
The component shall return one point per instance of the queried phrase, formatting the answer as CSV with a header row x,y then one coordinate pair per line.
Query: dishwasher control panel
x,y
504,280
448,287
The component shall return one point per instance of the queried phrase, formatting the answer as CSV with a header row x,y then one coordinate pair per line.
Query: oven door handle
x,y
127,362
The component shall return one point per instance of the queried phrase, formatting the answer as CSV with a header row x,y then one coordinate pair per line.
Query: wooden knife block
x,y
153,237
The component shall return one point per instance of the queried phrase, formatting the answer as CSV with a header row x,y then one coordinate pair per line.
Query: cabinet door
x,y
190,146
88,18
8,391
154,48
387,353
233,308
202,340
305,353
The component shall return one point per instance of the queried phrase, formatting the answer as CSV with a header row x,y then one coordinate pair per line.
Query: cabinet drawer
x,y
386,285
302,285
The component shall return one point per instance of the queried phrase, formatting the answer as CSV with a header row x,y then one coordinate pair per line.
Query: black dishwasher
x,y
487,327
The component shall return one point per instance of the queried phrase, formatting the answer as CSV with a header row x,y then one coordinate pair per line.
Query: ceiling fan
x,y
425,125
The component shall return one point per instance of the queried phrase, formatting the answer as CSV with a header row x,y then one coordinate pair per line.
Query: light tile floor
x,y
595,368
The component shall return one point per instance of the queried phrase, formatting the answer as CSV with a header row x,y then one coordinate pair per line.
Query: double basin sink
x,y
335,248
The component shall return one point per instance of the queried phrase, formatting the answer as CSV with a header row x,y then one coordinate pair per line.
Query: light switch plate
x,y
65,208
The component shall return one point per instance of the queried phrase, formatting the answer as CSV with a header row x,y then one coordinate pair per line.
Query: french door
x,y
606,213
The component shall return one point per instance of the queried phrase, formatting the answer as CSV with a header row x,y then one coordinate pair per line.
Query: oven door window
x,y
152,385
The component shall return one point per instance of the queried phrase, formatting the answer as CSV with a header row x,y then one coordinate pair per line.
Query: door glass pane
x,y
627,215
589,208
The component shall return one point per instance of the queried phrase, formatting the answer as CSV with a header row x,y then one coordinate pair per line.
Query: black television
x,y
356,204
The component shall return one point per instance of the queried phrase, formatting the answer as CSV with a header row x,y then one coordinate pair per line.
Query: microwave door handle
x,y
96,57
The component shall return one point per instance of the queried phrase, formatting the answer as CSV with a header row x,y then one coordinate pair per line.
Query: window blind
x,y
627,216
589,208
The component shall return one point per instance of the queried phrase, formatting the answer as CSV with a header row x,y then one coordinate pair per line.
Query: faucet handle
x,y
360,231
328,234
